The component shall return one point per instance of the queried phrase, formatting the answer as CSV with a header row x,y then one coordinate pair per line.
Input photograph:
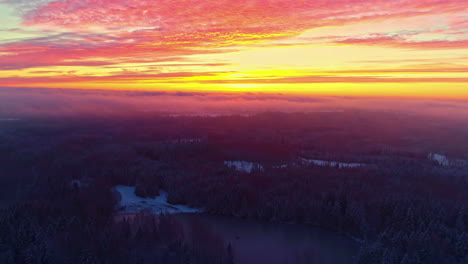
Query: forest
x,y
57,174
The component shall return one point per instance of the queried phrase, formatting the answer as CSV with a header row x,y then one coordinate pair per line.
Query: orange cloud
x,y
180,41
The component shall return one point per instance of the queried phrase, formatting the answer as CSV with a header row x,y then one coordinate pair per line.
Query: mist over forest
x,y
387,185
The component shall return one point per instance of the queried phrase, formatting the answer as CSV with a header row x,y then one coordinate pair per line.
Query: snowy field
x,y
325,163
284,166
187,140
442,160
445,161
131,203
243,166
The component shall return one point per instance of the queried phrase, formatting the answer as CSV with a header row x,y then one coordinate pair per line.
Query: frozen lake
x,y
256,242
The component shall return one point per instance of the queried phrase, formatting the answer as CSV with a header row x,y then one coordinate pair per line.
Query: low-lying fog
x,y
17,102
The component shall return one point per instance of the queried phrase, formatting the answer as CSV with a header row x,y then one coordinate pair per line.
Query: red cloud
x,y
105,32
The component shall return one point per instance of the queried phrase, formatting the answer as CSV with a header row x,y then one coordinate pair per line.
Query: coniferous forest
x,y
59,205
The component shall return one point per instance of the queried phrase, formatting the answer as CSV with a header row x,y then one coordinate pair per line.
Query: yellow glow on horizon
x,y
264,48
452,91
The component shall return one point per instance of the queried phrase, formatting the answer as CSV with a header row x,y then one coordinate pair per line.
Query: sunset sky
x,y
398,48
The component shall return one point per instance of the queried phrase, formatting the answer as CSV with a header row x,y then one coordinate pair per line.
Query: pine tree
x,y
390,256
230,255
406,260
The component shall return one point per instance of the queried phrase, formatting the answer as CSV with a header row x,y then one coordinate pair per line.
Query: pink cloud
x,y
399,42
169,30
201,14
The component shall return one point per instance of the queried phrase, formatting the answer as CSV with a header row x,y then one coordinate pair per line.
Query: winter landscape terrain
x,y
373,186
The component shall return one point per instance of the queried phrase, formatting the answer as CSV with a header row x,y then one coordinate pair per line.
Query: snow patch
x,y
243,166
207,115
9,119
187,140
442,160
131,203
326,163
284,166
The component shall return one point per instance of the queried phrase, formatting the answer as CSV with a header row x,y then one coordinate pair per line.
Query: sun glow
x,y
416,49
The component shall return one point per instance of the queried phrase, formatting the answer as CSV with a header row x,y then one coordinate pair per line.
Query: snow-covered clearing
x,y
442,160
243,166
284,166
326,163
208,115
187,140
131,203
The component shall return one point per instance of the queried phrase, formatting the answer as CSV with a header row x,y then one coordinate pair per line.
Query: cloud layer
x,y
86,40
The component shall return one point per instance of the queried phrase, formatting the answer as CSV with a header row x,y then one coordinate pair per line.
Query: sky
x,y
365,48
